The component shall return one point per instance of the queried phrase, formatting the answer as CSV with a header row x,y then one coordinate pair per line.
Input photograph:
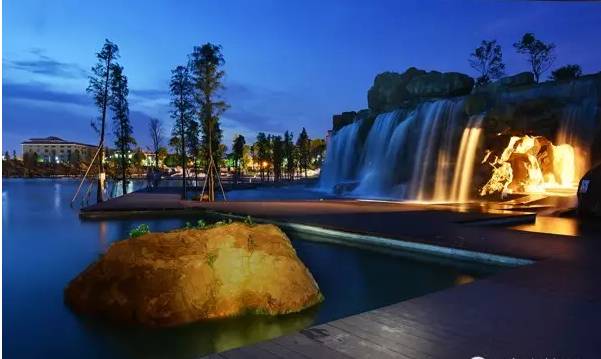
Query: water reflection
x,y
45,245
102,236
57,197
199,339
553,225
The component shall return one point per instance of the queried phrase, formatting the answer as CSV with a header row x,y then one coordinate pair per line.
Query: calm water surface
x,y
45,245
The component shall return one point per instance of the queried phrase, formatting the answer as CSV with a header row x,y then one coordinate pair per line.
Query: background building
x,y
56,150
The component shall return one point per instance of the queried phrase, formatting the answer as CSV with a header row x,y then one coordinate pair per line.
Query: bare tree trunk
x,y
183,149
101,174
123,174
210,177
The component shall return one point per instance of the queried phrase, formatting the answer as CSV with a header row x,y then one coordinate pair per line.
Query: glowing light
x,y
462,179
531,165
264,164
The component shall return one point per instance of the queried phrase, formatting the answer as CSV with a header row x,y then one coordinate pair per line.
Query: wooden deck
x,y
549,309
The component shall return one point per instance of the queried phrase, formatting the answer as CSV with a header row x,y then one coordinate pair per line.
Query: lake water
x,y
45,245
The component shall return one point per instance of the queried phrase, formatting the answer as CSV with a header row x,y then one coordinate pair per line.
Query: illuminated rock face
x,y
164,279
531,165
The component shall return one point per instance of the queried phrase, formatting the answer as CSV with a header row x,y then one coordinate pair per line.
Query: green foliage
x,y
122,129
182,103
193,143
206,63
100,81
248,220
289,154
487,59
238,154
321,298
263,151
566,73
277,156
162,154
303,143
139,157
201,224
257,311
139,230
318,149
540,55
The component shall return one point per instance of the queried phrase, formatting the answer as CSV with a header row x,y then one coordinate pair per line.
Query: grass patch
x,y
139,231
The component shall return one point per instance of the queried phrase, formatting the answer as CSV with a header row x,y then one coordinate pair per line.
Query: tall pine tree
x,y
182,103
277,147
304,150
206,63
99,87
122,128
238,153
289,154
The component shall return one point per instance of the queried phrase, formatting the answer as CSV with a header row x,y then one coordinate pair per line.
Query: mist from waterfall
x,y
424,154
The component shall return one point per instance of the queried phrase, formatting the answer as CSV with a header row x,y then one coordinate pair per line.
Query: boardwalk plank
x,y
301,344
250,352
273,347
349,343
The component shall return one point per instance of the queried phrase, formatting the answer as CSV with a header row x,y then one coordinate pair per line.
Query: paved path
x,y
550,309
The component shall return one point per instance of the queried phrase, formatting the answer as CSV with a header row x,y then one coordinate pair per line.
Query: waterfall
x,y
576,128
340,157
375,179
462,178
435,154
424,154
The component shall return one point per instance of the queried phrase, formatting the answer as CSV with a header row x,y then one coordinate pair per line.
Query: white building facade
x,y
56,150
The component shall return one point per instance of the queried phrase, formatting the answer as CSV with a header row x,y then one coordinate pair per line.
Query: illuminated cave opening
x,y
531,164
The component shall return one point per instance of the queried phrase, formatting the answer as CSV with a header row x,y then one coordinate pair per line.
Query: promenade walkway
x,y
548,309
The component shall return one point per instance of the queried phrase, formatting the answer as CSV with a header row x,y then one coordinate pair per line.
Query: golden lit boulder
x,y
163,279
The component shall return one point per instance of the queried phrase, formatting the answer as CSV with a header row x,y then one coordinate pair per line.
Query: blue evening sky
x,y
289,63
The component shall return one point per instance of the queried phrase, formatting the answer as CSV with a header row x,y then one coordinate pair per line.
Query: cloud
x,y
150,94
260,109
34,91
34,109
42,64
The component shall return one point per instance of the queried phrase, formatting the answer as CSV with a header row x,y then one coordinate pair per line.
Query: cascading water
x,y
462,178
576,127
441,123
426,154
340,157
377,156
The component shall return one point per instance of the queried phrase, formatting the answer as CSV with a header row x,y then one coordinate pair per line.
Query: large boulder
x,y
164,279
345,118
392,90
440,84
521,79
389,90
517,81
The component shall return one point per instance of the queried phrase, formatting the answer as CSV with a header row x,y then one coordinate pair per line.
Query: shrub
x,y
139,230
